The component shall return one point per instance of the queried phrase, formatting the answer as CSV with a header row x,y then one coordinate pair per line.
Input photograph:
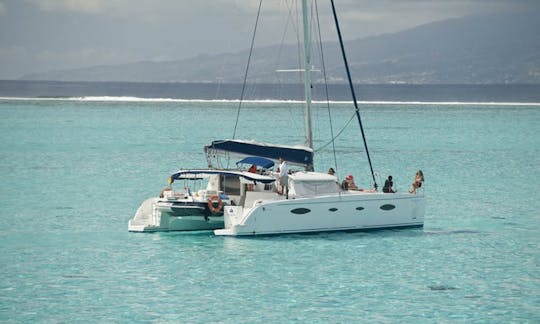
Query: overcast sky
x,y
45,35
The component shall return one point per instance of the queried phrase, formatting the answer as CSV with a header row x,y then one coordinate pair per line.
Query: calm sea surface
x,y
74,172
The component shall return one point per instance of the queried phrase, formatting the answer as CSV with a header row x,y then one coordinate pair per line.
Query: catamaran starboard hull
x,y
343,212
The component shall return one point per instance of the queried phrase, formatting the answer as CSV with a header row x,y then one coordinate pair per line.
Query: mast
x,y
307,74
352,91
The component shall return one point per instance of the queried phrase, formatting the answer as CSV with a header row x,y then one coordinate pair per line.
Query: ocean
x,y
77,159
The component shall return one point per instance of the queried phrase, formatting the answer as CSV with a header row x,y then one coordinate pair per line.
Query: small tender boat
x,y
181,207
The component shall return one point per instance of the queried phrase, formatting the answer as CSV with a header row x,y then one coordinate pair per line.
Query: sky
x,y
48,35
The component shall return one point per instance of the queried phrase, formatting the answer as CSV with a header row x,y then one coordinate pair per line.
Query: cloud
x,y
81,6
145,11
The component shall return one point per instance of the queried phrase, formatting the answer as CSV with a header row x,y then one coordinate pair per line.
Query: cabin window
x,y
300,211
230,184
387,207
359,208
333,209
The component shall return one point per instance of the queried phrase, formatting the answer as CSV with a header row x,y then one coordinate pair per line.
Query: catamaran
x,y
195,199
236,202
315,202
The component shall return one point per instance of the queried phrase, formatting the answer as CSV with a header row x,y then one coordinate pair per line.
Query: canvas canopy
x,y
294,155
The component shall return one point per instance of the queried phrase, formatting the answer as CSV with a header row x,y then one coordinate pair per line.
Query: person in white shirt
x,y
284,176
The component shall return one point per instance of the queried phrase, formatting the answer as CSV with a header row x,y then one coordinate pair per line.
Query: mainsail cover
x,y
295,155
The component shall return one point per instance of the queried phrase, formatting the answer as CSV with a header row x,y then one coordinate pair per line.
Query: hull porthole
x,y
387,207
300,211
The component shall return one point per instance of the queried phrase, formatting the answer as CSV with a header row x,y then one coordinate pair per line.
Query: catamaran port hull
x,y
160,216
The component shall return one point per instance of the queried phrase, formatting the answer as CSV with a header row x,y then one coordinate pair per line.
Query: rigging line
x,y
247,69
337,135
323,67
280,51
292,8
299,48
352,90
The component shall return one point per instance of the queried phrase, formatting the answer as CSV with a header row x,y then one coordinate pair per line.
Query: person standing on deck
x,y
284,177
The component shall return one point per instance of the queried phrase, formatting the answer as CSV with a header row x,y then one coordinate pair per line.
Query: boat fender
x,y
162,193
215,199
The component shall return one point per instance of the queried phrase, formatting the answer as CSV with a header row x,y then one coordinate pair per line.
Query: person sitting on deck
x,y
348,183
418,180
388,184
252,169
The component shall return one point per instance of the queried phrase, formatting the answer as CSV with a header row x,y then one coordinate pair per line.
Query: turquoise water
x,y
74,172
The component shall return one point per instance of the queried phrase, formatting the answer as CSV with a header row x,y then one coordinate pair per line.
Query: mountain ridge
x,y
493,49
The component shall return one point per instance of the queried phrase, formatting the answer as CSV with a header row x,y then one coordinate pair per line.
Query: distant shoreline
x,y
448,94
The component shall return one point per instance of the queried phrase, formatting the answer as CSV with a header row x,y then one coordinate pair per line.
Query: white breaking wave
x,y
169,100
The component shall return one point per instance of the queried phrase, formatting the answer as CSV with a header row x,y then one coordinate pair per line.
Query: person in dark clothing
x,y
388,184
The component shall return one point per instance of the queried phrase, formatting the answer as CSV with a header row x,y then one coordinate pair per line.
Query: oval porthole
x,y
359,208
300,211
387,207
333,209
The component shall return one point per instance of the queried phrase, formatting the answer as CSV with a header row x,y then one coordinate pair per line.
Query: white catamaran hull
x,y
201,210
154,215
342,212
